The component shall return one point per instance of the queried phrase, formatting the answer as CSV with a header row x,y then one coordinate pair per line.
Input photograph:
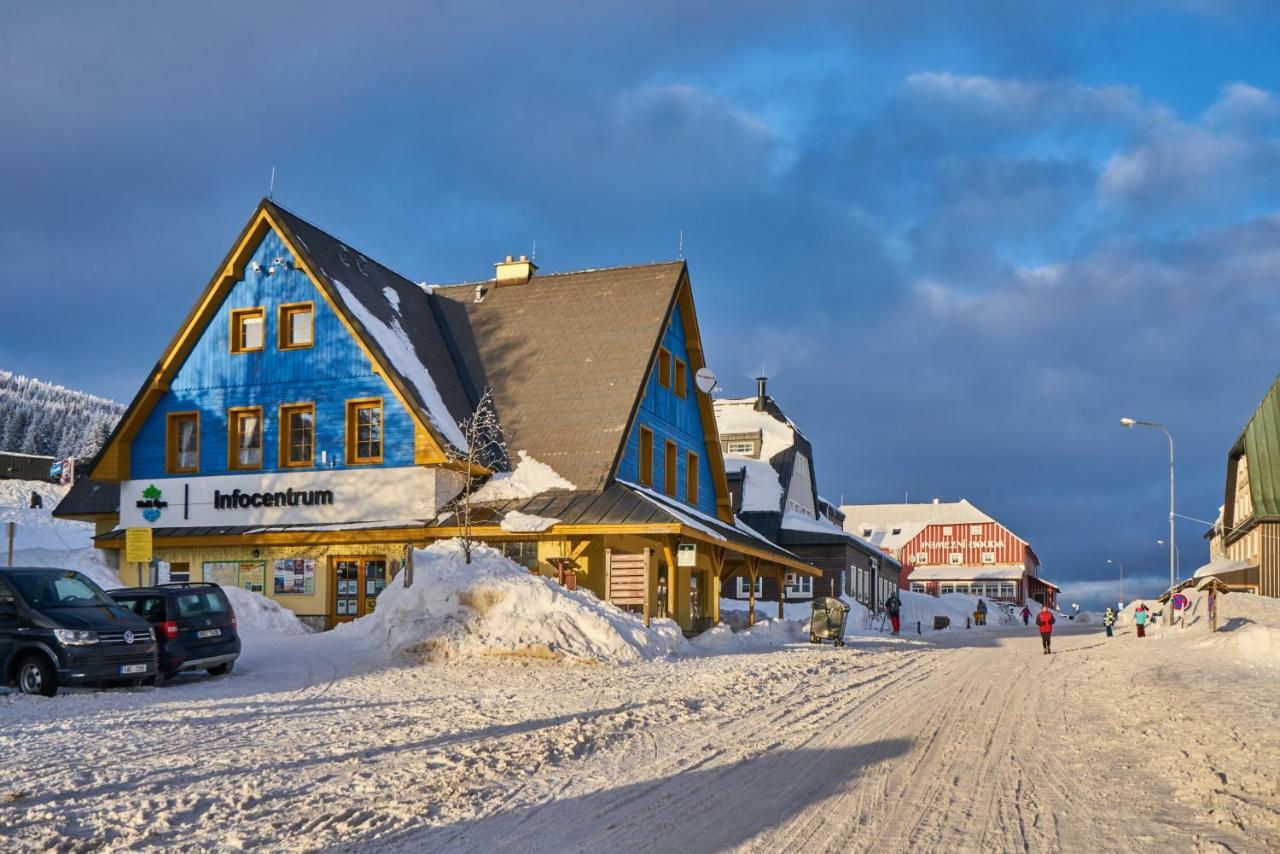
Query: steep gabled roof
x,y
1260,443
566,356
907,520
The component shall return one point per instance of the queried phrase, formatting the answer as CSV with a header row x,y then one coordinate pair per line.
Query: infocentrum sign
x,y
289,498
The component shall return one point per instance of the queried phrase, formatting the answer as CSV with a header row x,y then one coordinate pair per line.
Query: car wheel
x,y
36,676
222,669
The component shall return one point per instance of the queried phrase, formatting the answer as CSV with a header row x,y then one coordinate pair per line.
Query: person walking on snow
x,y
980,613
1045,621
1109,620
1026,615
1140,619
893,607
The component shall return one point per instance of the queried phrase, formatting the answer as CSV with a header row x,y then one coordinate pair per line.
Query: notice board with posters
x,y
248,575
295,576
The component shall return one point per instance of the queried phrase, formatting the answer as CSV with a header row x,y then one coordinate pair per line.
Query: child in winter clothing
x,y
1045,621
1140,620
1109,620
1026,615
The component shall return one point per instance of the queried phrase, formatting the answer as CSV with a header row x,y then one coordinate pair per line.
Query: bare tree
x,y
486,448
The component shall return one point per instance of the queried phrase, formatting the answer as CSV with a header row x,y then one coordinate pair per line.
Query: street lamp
x,y
1119,564
1131,422
1178,553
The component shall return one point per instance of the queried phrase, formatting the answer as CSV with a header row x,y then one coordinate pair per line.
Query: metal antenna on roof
x,y
533,256
680,246
271,187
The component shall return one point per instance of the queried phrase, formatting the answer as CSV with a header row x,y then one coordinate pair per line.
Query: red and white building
x,y
953,548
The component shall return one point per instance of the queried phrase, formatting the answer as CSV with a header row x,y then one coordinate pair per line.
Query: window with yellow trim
x,y
182,442
248,330
364,431
664,367
691,478
297,326
244,438
297,434
646,456
682,379
669,468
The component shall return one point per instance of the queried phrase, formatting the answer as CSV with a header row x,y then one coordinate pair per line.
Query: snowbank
x,y
255,612
764,635
1248,626
529,478
493,607
37,529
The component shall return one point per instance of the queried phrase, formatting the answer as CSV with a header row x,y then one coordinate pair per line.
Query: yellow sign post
x,y
137,549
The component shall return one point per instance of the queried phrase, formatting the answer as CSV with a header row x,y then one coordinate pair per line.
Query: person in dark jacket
x,y
980,613
1045,621
893,607
1109,620
36,501
1026,616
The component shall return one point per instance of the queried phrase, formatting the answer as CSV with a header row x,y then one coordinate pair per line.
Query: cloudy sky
x,y
961,244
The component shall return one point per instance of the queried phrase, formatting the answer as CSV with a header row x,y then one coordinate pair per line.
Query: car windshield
x,y
58,590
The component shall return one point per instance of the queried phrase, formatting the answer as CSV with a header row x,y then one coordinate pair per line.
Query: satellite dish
x,y
705,380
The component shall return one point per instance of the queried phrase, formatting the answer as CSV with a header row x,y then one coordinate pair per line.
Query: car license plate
x,y
132,668
209,633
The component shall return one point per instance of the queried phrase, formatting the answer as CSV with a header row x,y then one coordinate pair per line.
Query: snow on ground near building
x,y
1248,625
527,479
256,613
37,529
493,607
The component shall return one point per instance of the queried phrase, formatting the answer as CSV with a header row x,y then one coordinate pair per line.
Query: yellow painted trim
x,y
284,435
171,445
282,312
233,437
237,338
353,406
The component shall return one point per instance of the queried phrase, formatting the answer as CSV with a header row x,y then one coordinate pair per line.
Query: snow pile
x,y
493,607
255,612
1248,626
529,478
517,522
922,608
764,635
37,529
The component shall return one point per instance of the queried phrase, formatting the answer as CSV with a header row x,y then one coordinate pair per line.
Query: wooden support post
x,y
717,568
650,586
9,526
782,593
669,554
753,569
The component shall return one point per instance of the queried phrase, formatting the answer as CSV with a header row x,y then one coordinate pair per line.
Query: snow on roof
x,y
399,349
761,488
793,521
967,573
529,478
517,522
894,525
1221,566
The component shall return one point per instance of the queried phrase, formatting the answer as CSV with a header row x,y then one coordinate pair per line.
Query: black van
x,y
194,623
59,628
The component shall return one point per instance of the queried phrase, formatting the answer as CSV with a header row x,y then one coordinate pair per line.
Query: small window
x,y
364,431
297,326
244,438
988,557
182,442
799,585
179,572
917,587
691,478
866,532
746,449
744,586
247,330
664,367
948,588
954,558
922,557
297,435
646,456
946,531
975,530
523,552
669,468
682,379
897,531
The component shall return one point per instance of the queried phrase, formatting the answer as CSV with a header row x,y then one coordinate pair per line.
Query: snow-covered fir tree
x,y
42,418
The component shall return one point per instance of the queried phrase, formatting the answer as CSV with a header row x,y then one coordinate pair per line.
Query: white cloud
x,y
1242,104
1023,100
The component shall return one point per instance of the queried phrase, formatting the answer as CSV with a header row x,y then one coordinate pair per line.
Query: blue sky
x,y
962,243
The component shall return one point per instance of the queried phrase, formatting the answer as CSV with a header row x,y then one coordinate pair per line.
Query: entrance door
x,y
357,582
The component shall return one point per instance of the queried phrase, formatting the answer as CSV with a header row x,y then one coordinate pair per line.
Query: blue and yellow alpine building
x,y
300,433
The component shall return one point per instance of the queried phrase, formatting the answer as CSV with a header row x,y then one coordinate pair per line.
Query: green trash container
x,y
828,619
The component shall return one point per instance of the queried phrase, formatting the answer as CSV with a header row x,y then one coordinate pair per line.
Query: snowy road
x,y
885,745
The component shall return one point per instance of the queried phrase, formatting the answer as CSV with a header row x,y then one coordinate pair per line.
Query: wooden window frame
x,y
691,478
670,467
171,442
646,450
681,381
283,327
352,410
664,367
237,340
233,437
285,437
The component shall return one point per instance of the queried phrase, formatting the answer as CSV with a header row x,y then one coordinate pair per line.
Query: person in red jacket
x,y
1045,621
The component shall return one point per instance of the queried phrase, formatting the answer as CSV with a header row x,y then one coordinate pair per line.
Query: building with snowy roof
x,y
772,478
304,429
953,547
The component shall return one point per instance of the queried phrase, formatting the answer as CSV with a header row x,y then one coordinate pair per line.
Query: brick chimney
x,y
761,397
513,272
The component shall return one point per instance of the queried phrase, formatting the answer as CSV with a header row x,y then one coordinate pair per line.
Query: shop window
x,y
364,431
1006,591
691,478
523,552
248,330
664,367
179,573
646,457
917,587
744,586
681,379
297,326
297,435
244,438
669,468
947,588
182,442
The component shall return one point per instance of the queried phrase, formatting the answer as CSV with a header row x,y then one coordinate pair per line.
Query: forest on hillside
x,y
37,417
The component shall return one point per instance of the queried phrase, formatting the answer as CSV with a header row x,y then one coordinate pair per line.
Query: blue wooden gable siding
x,y
671,418
328,374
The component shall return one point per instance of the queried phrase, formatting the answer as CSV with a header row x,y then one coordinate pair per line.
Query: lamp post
x,y
1132,422
1119,564
1177,553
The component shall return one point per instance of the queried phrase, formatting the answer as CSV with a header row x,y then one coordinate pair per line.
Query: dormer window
x,y
248,330
297,326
